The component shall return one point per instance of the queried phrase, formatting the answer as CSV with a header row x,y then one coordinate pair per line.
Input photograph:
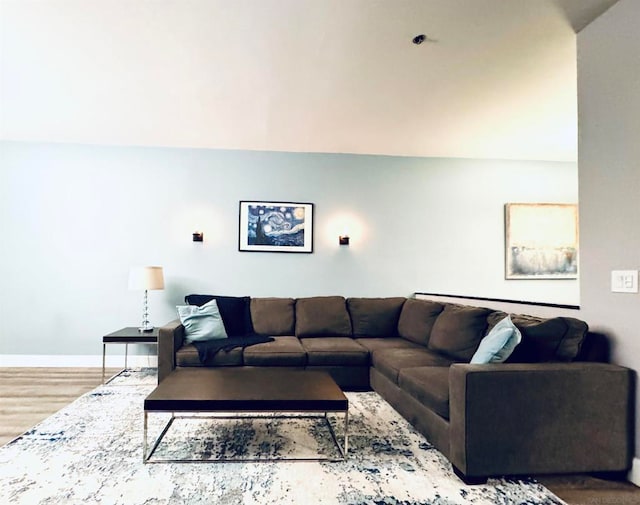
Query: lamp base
x,y
146,326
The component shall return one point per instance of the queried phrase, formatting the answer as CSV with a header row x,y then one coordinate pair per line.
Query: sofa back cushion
x,y
417,319
322,316
458,331
575,336
545,339
540,340
234,310
375,317
273,316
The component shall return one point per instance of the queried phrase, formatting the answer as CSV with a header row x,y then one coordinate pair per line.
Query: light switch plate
x,y
624,281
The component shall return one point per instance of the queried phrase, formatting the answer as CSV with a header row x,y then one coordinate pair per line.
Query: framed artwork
x,y
541,241
276,227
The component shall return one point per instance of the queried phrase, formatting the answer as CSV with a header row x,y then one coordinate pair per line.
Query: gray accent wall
x,y
609,174
75,218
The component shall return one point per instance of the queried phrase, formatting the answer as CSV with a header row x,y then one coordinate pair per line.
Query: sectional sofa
x,y
549,409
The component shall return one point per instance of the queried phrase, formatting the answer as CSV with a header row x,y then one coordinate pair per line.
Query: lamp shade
x,y
145,278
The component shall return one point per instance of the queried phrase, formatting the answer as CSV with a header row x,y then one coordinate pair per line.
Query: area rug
x,y
91,453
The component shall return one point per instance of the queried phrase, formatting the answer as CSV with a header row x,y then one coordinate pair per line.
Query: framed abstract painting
x,y
276,227
541,241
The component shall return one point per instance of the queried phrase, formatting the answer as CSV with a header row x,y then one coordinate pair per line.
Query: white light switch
x,y
624,281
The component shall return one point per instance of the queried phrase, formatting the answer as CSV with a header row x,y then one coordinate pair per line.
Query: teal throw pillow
x,y
498,345
202,323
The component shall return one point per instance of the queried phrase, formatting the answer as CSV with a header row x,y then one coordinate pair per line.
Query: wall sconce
x,y
198,236
343,239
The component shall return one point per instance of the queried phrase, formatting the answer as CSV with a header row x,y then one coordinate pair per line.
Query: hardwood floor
x,y
590,490
29,395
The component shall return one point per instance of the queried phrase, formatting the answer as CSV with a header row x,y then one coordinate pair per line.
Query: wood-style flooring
x,y
29,395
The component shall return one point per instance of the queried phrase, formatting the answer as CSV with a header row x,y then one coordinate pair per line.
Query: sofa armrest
x,y
170,339
514,419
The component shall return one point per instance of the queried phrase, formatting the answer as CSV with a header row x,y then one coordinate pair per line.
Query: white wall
x,y
75,218
609,161
290,75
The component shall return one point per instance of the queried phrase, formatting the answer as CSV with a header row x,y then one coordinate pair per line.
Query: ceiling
x,y
495,78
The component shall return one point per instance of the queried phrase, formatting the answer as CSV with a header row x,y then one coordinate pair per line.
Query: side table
x,y
126,336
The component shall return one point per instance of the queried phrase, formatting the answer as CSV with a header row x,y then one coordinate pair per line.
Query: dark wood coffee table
x,y
246,390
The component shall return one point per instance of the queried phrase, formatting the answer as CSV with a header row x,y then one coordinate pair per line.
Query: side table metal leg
x,y
104,350
126,353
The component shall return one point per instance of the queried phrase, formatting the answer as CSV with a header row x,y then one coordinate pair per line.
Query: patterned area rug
x,y
91,452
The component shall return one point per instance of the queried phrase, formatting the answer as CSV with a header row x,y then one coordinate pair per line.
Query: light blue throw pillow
x,y
498,345
202,323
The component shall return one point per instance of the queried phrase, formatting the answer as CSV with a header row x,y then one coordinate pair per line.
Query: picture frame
x,y
275,227
541,241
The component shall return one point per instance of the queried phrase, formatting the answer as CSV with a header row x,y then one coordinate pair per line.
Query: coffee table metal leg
x,y
346,433
144,438
344,447
146,453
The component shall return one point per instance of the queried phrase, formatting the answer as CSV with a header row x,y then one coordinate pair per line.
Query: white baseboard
x,y
44,360
634,473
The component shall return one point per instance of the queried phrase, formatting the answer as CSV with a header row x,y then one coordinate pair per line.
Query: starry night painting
x,y
276,227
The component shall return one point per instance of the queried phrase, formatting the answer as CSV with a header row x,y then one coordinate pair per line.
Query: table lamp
x,y
146,278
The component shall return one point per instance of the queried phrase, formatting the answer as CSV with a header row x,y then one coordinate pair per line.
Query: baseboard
x,y
45,360
634,473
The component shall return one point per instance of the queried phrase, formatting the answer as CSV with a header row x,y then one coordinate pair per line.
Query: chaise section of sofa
x,y
535,414
540,418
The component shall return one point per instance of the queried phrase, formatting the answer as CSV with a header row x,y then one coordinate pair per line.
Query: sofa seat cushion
x,y
373,344
334,351
458,331
429,385
187,355
417,319
389,362
375,317
322,316
283,351
273,316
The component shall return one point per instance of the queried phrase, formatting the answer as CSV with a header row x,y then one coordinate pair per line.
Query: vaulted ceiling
x,y
493,79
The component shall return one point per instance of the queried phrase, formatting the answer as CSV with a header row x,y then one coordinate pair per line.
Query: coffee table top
x,y
247,390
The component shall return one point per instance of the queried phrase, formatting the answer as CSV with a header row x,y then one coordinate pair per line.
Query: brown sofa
x,y
549,409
